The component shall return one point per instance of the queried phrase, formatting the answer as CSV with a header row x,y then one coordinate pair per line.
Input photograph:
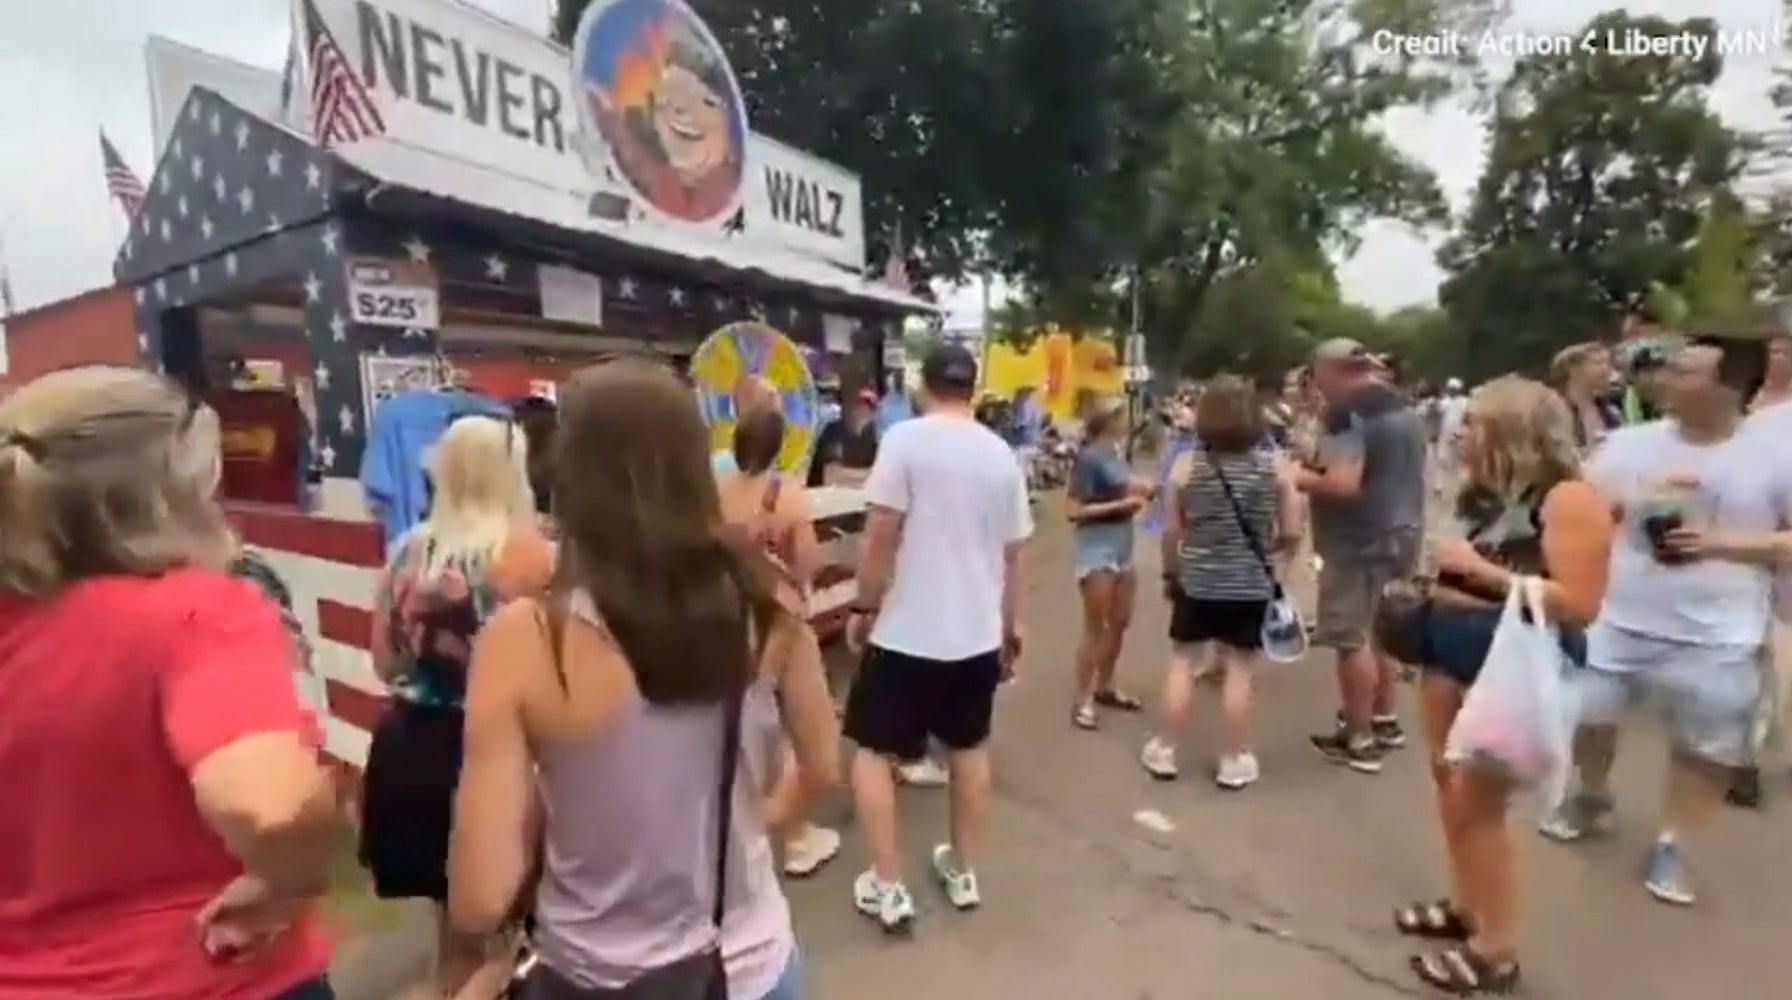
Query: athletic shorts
x,y
1236,624
898,701
1350,585
1710,694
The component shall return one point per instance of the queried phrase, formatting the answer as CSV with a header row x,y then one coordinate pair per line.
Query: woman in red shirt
x,y
168,822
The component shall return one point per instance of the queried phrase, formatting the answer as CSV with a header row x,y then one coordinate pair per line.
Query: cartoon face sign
x,y
657,89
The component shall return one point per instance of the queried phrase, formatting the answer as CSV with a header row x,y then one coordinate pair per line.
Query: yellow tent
x,y
1058,365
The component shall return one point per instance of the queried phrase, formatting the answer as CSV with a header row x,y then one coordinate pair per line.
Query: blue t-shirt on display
x,y
404,428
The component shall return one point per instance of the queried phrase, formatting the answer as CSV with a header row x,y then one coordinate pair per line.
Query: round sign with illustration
x,y
743,359
654,85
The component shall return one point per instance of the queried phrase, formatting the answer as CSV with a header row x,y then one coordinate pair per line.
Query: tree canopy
x,y
1603,169
1065,143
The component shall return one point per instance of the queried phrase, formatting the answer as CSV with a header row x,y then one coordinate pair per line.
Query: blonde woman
x,y
116,611
1524,511
477,548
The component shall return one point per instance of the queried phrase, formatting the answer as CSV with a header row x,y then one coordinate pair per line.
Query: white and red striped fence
x,y
331,568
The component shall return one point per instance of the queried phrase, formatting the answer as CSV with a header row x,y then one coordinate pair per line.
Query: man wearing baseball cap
x,y
938,617
1368,505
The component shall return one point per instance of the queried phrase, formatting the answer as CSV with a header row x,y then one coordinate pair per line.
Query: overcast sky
x,y
70,68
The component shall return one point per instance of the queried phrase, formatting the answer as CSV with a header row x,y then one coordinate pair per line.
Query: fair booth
x,y
484,209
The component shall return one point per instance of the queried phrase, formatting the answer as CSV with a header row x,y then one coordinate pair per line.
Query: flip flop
x,y
1118,701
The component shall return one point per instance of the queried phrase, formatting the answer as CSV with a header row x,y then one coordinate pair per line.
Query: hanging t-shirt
x,y
404,428
1738,485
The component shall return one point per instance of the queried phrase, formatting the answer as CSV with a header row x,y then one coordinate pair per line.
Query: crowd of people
x,y
594,603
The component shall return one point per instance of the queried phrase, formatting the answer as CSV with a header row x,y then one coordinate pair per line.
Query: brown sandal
x,y
1439,921
1464,972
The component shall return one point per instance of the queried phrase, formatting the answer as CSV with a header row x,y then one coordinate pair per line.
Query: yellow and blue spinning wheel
x,y
742,352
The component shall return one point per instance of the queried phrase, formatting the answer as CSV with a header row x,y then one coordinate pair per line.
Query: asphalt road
x,y
1283,890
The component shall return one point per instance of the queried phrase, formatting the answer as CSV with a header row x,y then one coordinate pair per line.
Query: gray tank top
x,y
1216,561
628,873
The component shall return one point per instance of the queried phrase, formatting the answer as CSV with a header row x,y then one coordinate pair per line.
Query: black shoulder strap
x,y
1244,526
731,723
725,823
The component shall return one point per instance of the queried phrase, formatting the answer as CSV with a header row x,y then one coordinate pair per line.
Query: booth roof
x,y
438,176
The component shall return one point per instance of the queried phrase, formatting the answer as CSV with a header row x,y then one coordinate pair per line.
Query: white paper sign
x,y
393,293
383,377
571,296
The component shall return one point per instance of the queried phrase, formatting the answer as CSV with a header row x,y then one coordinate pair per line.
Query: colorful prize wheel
x,y
740,353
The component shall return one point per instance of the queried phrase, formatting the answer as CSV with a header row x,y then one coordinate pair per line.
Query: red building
x,y
94,327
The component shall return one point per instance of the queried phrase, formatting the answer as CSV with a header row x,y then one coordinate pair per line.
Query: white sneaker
x,y
1237,771
959,882
890,905
806,853
1159,758
924,773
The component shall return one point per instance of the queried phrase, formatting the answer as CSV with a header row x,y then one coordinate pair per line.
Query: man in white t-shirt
x,y
937,615
1773,424
1704,503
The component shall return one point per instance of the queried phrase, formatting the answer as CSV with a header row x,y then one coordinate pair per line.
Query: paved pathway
x,y
1277,892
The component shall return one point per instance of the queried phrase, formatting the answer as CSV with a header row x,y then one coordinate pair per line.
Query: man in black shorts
x,y
939,585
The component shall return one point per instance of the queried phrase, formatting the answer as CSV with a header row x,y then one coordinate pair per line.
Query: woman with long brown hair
x,y
149,696
1525,512
621,731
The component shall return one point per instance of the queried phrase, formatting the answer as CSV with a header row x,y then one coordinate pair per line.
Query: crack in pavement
x,y
1169,888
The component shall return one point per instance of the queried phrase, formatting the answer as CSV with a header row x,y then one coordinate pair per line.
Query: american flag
x,y
121,184
342,111
896,267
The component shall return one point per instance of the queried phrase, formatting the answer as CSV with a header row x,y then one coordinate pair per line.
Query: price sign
x,y
393,293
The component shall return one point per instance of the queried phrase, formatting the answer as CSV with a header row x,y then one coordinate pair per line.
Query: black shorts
x,y
897,701
1238,624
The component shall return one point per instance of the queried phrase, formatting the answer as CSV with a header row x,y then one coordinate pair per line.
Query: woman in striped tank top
x,y
1228,499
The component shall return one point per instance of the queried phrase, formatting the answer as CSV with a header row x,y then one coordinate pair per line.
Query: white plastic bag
x,y
1519,717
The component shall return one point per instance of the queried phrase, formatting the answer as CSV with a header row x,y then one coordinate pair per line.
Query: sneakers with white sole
x,y
887,903
1237,771
1159,759
806,853
959,882
924,773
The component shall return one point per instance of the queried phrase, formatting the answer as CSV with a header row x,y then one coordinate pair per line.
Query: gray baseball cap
x,y
1341,349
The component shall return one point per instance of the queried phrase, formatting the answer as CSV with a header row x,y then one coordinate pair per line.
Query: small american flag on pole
x,y
342,110
896,267
121,183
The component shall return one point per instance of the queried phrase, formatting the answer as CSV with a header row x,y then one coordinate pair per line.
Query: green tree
x,y
1600,172
1278,151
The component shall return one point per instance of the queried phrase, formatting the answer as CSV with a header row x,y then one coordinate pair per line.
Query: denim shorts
x,y
1103,548
1709,694
789,985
